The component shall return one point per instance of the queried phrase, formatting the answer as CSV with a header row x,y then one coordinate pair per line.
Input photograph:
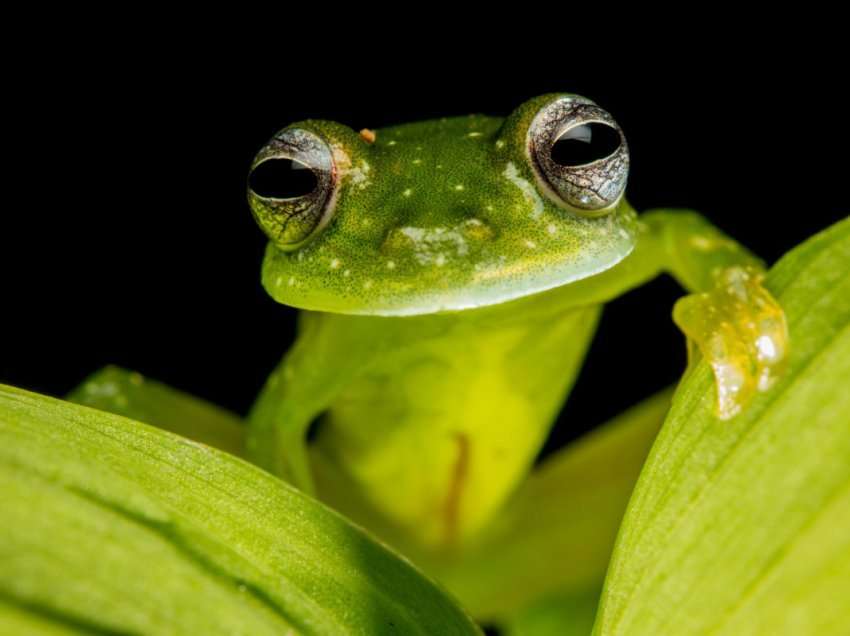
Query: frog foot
x,y
740,329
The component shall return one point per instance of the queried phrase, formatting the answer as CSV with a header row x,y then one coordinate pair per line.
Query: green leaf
x,y
111,526
132,395
556,533
743,526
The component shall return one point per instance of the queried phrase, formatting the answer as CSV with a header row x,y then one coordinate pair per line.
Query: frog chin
x,y
489,283
488,290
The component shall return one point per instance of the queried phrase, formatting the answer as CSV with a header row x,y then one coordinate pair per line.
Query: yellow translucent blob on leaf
x,y
741,330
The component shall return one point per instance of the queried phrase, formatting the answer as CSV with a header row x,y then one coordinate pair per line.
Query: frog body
x,y
484,374
452,273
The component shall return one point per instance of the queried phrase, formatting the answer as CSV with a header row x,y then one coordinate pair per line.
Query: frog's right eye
x,y
580,155
291,187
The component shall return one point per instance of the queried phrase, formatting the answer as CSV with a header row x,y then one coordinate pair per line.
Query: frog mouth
x,y
427,270
489,288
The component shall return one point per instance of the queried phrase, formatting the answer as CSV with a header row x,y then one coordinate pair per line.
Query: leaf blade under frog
x,y
743,526
115,526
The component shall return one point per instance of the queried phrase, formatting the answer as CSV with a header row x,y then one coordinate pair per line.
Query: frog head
x,y
442,215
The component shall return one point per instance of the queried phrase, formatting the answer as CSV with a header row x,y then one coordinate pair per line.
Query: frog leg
x,y
132,395
329,351
730,318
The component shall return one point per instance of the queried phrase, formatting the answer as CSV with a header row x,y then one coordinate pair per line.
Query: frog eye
x,y
291,187
579,154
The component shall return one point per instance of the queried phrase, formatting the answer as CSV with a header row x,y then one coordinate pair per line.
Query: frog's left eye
x,y
579,154
291,187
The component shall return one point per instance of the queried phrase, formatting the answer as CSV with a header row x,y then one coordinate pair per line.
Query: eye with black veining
x,y
291,187
579,154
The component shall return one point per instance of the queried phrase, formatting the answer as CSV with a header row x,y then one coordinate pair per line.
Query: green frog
x,y
451,275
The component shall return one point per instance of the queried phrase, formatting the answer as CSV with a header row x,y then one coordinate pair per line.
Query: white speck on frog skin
x,y
407,192
360,175
335,263
107,389
766,347
701,243
528,190
707,243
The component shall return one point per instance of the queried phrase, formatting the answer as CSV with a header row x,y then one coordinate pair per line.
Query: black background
x,y
127,238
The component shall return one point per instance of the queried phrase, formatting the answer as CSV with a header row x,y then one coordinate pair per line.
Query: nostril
x,y
282,179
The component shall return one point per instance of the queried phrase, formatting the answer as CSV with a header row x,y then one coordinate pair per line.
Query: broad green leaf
x,y
743,526
557,531
132,395
17,620
111,526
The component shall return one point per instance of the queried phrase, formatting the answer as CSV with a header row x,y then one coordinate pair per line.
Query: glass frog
x,y
451,274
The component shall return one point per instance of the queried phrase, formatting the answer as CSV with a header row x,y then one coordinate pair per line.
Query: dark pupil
x,y
585,144
282,179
